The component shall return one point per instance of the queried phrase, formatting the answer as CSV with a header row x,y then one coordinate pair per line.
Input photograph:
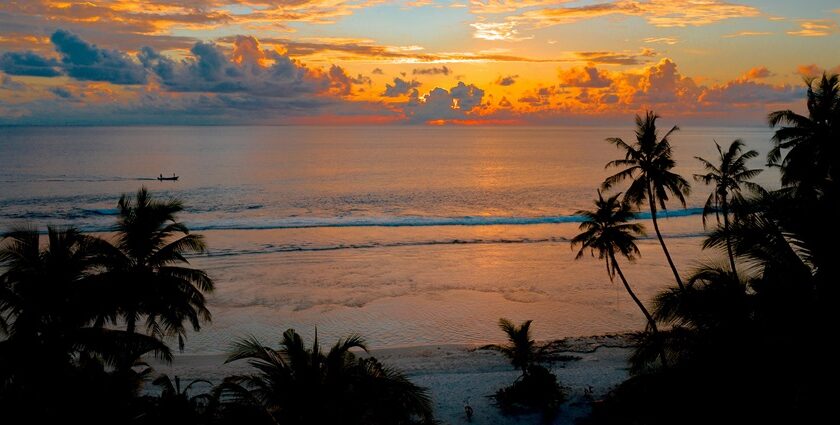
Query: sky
x,y
371,62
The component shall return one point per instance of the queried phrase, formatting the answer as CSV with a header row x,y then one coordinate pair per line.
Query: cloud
x,y
588,76
757,73
28,63
7,83
504,6
664,40
659,13
497,31
816,28
504,103
249,69
507,81
432,71
62,93
539,97
748,92
84,61
617,58
377,71
401,87
747,34
812,70
440,105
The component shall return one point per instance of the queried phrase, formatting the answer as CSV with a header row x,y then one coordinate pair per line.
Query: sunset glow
x,y
418,62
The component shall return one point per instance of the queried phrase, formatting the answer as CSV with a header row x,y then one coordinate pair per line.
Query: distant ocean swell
x,y
196,223
272,249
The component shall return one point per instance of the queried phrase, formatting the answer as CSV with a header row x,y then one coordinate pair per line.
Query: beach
x,y
461,374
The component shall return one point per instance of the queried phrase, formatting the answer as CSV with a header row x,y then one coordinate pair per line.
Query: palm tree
x,y
811,142
607,232
648,162
147,268
53,318
521,348
727,177
709,320
299,385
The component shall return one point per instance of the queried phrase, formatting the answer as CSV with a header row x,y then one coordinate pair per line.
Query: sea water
x,y
405,235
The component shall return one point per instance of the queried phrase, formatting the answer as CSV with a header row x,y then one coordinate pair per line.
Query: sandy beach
x,y
458,374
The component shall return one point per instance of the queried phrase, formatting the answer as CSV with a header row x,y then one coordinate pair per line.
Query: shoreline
x,y
459,374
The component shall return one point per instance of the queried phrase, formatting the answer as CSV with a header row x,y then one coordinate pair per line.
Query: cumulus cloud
x,y
249,69
377,71
444,105
400,87
588,76
28,63
444,70
84,61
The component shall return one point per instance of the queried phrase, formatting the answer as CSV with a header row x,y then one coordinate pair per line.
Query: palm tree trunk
x,y
651,322
652,203
725,207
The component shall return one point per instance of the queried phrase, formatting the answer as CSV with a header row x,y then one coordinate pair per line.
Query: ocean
x,y
405,235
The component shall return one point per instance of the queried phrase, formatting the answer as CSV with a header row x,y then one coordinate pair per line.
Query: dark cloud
x,y
441,104
62,92
507,81
377,71
467,96
84,61
249,69
28,63
444,70
401,87
540,96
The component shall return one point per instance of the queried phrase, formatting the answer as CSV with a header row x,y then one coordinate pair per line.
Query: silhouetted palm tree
x,y
521,348
648,162
708,321
727,177
301,385
812,151
147,268
52,312
606,231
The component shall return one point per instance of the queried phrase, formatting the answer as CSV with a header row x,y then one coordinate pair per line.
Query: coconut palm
x,y
809,144
521,348
607,232
52,316
649,162
727,176
301,385
148,269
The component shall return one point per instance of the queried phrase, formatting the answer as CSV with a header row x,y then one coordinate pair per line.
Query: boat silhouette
x,y
173,178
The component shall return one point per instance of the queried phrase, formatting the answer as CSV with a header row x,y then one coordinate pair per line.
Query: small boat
x,y
173,178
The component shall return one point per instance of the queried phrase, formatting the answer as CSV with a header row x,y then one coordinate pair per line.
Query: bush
x,y
537,390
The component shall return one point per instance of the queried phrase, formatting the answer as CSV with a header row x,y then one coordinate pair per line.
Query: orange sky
x,y
419,62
